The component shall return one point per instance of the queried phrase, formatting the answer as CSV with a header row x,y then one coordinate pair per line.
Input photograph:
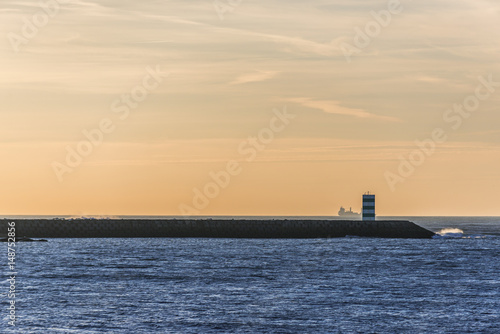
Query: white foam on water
x,y
449,232
455,233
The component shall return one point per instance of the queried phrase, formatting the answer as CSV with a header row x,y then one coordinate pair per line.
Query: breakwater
x,y
212,228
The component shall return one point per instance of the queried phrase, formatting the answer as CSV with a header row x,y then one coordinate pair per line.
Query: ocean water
x,y
449,284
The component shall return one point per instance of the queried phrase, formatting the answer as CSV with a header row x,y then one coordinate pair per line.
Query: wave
x,y
451,231
455,233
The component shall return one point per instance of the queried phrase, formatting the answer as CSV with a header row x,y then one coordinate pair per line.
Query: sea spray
x,y
449,232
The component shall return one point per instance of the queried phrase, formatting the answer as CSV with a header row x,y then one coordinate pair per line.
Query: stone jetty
x,y
212,228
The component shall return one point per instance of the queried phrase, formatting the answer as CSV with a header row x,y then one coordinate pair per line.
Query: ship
x,y
350,213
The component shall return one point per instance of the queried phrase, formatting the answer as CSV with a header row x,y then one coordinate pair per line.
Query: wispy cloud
x,y
306,46
335,107
254,77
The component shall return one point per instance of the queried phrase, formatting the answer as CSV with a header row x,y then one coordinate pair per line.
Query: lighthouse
x,y
368,206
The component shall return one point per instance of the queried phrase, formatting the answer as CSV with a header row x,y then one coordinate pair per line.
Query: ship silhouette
x,y
350,213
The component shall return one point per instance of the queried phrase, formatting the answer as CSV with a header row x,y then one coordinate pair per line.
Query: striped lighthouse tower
x,y
368,206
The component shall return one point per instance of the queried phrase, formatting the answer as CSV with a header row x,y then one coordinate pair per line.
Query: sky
x,y
227,107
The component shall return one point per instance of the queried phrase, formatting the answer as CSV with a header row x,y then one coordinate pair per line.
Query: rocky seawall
x,y
212,228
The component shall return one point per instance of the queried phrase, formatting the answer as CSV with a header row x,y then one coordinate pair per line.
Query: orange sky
x,y
151,100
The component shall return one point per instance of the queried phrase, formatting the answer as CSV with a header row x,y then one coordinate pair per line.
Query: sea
x,y
448,284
